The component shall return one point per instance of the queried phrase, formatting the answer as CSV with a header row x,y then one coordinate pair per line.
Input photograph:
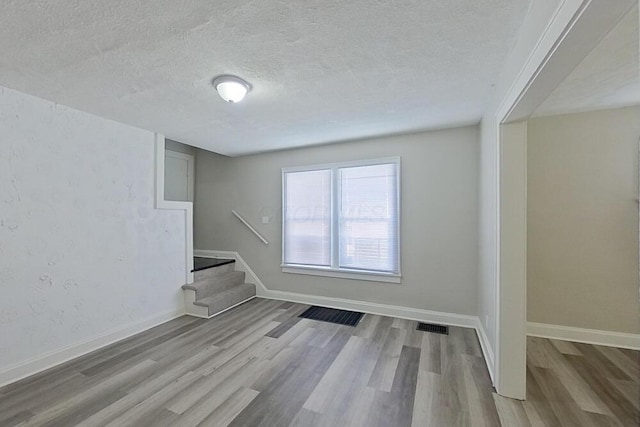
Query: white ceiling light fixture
x,y
231,88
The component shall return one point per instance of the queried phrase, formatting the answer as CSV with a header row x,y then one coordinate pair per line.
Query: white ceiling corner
x,y
321,70
608,77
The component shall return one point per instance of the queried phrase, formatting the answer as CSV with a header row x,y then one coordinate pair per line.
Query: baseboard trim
x,y
56,357
409,313
376,308
487,351
221,311
587,336
345,304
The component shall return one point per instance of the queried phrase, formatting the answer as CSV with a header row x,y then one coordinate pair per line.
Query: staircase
x,y
217,287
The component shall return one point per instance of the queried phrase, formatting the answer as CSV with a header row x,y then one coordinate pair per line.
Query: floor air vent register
x,y
431,327
332,315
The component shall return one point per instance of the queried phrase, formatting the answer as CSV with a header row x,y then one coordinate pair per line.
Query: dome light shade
x,y
231,88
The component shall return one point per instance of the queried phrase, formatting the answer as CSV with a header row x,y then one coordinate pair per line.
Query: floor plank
x,y
259,364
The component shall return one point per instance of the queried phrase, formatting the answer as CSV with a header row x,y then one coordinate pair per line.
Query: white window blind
x,y
368,218
307,218
343,217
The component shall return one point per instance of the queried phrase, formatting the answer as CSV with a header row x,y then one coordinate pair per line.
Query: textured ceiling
x,y
607,78
321,70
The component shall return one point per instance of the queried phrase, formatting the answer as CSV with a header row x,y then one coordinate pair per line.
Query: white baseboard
x,y
487,351
207,253
221,311
588,336
342,303
409,313
48,360
376,308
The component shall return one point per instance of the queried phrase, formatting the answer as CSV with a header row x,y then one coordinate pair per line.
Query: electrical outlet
x,y
265,220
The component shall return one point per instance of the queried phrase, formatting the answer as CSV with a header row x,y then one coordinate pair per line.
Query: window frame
x,y
334,270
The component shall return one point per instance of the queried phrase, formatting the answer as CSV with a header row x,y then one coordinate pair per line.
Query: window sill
x,y
343,274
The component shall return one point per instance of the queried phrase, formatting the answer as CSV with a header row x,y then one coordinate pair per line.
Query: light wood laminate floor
x,y
261,365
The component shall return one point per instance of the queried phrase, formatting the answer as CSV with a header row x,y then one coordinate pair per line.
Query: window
x,y
343,220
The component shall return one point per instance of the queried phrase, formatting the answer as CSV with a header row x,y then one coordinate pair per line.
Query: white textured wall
x,y
582,246
82,250
487,229
439,232
539,14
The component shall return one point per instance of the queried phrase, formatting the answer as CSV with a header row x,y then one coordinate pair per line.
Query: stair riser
x,y
226,304
213,272
217,286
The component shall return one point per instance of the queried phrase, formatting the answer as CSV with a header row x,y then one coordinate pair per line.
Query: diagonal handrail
x,y
250,227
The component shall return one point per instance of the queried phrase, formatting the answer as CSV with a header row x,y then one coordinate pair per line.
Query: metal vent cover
x,y
332,315
432,327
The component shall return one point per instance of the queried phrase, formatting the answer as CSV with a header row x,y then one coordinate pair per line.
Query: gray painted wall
x,y
179,174
179,147
582,245
439,229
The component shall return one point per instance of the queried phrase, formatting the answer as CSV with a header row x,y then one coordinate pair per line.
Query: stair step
x,y
216,271
217,284
223,300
